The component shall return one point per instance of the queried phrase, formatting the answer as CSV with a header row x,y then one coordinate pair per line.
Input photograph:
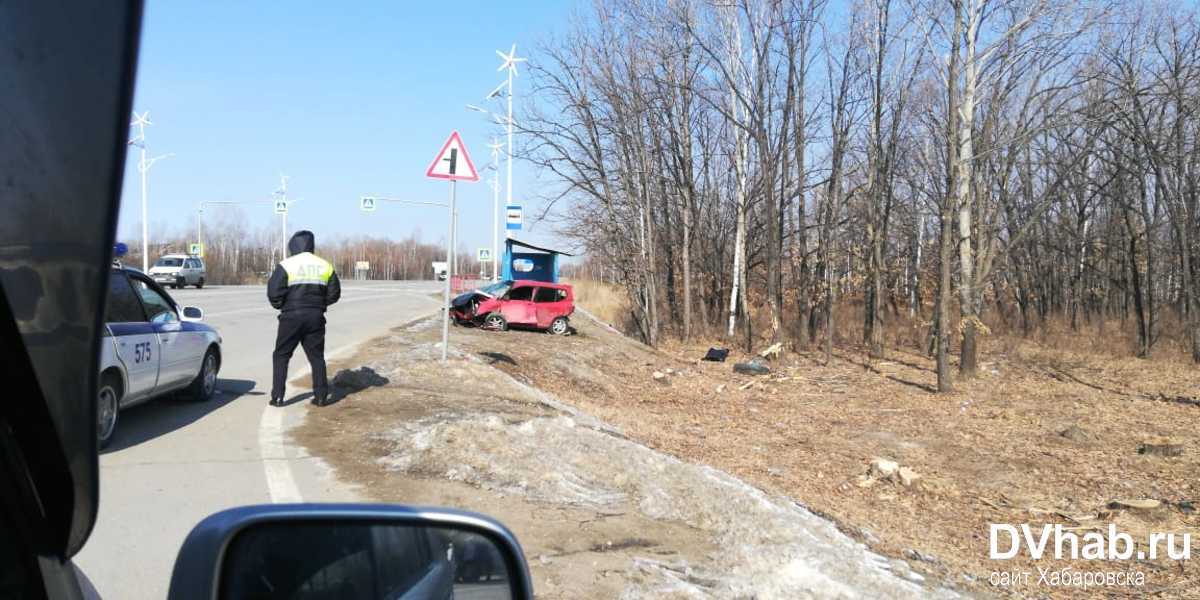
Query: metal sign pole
x,y
449,275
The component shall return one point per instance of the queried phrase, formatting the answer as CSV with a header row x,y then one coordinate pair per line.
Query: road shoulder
x,y
597,513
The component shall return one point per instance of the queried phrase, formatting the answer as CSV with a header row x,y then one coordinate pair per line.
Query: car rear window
x,y
522,293
123,304
547,294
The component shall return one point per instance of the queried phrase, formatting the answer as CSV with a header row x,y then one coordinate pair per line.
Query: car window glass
x,y
522,293
546,295
123,305
158,308
169,262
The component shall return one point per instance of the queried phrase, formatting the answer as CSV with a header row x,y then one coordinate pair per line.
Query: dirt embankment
x,y
600,514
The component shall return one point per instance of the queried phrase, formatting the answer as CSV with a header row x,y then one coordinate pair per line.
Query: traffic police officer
x,y
302,287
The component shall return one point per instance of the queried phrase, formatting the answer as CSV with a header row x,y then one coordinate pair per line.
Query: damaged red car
x,y
526,304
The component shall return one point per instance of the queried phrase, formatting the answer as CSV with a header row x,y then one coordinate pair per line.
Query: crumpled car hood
x,y
464,299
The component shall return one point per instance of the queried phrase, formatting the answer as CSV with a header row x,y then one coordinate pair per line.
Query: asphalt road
x,y
173,463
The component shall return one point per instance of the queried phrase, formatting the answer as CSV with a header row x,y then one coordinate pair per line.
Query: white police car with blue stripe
x,y
152,347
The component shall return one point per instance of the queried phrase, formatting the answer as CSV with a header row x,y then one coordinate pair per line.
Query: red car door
x,y
549,303
518,308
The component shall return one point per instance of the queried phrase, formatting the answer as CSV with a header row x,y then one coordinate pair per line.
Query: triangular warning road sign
x,y
453,162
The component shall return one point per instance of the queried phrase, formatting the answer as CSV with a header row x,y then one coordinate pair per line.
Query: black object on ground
x,y
716,354
358,379
755,367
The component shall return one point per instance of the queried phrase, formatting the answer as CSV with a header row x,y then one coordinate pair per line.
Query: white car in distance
x,y
178,270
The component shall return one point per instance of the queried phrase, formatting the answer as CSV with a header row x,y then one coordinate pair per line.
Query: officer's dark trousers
x,y
307,328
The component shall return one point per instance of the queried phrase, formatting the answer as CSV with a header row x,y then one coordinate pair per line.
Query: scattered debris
x,y
907,476
1178,399
716,354
1076,434
1160,447
1079,518
883,468
1136,504
662,378
756,366
917,555
721,388
773,351
358,379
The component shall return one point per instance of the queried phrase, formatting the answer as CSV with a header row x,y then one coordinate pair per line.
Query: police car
x,y
152,347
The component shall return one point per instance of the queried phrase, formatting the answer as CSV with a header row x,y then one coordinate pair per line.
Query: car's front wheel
x,y
495,321
205,383
108,409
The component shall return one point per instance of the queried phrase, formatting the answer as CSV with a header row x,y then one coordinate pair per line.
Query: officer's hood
x,y
302,241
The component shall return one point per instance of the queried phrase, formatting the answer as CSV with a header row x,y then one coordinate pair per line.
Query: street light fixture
x,y
141,121
509,64
495,167
281,194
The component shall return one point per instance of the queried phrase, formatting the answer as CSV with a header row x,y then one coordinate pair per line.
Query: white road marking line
x,y
281,484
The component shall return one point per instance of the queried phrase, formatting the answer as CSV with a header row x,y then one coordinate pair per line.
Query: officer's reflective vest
x,y
307,268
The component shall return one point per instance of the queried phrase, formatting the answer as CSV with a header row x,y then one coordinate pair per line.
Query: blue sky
x,y
347,98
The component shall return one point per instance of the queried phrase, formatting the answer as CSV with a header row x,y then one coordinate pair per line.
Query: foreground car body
x,y
533,304
151,347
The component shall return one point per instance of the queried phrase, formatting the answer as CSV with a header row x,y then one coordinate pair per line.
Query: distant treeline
x,y
235,254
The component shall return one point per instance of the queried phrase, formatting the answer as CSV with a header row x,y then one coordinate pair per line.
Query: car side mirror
x,y
349,551
192,313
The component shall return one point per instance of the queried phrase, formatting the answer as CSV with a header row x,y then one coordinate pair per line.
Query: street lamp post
x,y
509,64
495,146
281,193
141,121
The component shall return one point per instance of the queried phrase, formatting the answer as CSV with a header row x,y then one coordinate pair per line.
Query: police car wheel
x,y
559,326
108,410
202,388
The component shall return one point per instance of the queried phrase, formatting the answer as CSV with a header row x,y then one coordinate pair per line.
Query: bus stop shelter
x,y
523,260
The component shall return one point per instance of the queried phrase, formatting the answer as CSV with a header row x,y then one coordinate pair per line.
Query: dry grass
x,y
1043,435
606,301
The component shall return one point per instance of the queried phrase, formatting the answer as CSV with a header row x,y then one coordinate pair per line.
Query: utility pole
x,y
510,64
495,146
281,193
141,121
